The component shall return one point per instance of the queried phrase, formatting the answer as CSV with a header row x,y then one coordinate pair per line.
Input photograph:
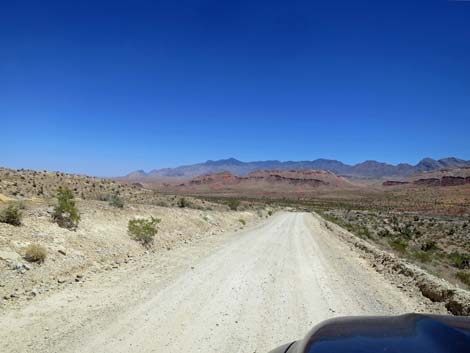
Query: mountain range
x,y
369,169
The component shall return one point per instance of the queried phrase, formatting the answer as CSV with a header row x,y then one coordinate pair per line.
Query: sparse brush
x,y
116,201
143,230
242,221
35,253
399,245
11,215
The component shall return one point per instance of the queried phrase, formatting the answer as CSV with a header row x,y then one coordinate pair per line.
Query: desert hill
x,y
262,182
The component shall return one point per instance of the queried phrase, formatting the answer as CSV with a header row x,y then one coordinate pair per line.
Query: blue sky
x,y
106,87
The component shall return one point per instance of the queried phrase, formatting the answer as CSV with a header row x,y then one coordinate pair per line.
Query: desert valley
x,y
409,232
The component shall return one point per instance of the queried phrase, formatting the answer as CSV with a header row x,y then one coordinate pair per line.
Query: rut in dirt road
x,y
259,288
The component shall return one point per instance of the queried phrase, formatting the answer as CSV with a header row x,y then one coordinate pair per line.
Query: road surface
x,y
244,292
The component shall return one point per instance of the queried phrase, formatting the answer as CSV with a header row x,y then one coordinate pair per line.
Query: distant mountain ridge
x,y
367,169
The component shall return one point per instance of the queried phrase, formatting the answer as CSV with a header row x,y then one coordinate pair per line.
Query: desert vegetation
x,y
116,201
143,230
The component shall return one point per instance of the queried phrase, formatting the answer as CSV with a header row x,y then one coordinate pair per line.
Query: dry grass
x,y
35,253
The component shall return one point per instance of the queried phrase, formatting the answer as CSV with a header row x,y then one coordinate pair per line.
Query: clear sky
x,y
107,87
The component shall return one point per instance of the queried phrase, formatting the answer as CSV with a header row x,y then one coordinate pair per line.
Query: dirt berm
x,y
455,300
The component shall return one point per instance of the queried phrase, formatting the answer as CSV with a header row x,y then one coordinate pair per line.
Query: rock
x,y
9,256
61,280
61,250
34,291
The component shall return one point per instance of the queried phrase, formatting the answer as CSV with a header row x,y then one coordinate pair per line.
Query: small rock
x,y
61,280
34,291
9,255
61,250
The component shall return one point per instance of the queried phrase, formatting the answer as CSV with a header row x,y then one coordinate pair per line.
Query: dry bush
x,y
35,253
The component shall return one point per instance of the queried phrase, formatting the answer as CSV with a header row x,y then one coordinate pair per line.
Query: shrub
x,y
182,202
270,213
233,204
242,221
35,253
65,212
143,230
11,215
116,201
399,245
463,277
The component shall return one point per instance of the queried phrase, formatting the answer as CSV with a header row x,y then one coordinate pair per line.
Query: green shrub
x,y
464,277
143,230
11,215
35,253
65,212
116,201
233,204
242,221
399,245
182,203
270,213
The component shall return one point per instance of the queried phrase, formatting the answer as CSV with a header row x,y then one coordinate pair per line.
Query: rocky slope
x,y
442,177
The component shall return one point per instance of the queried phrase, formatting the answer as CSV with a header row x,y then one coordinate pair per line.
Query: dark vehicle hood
x,y
391,334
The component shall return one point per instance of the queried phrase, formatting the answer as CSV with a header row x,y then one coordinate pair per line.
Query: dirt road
x,y
242,292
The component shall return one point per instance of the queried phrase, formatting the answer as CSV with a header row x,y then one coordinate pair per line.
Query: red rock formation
x,y
394,183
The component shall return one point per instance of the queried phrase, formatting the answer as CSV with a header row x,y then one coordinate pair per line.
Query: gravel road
x,y
242,292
